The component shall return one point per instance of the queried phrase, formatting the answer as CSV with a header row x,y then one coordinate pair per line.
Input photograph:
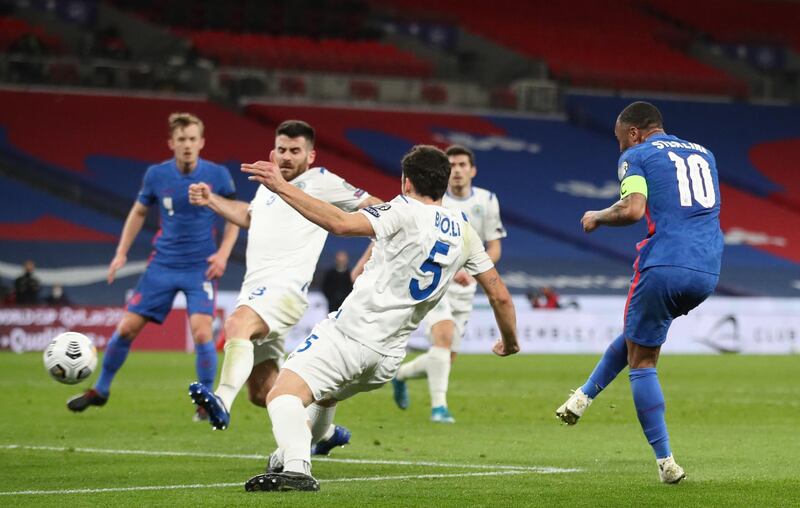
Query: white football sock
x,y
236,368
416,368
438,374
321,418
290,427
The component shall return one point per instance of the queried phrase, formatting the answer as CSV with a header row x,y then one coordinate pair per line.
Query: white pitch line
x,y
166,453
238,484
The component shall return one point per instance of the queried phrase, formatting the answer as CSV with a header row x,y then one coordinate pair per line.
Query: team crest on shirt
x,y
477,210
623,168
300,185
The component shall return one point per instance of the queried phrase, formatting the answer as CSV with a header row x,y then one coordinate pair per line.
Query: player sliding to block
x,y
420,247
674,183
282,252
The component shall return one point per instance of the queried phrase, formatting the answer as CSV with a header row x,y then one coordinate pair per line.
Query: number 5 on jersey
x,y
429,266
699,172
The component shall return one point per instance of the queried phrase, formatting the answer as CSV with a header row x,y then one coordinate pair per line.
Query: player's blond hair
x,y
182,120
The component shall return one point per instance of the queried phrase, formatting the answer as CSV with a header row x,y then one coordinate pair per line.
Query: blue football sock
x,y
610,365
205,363
649,401
116,352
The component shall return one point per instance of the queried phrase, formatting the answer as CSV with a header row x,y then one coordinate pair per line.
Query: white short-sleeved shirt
x,y
483,212
283,247
418,249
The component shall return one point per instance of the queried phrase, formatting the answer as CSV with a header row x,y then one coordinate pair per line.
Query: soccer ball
x,y
70,358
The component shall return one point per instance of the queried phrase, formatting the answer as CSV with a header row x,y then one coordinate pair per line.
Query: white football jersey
x,y
418,249
283,247
483,211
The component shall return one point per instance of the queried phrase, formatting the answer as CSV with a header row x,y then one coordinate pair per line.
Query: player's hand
x,y
589,221
199,194
266,173
216,266
116,263
463,278
500,348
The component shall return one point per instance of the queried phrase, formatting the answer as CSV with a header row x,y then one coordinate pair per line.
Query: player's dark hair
x,y
183,120
296,129
461,150
428,168
641,115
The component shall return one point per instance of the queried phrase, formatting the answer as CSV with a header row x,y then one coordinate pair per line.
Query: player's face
x,y
627,135
186,144
461,171
293,155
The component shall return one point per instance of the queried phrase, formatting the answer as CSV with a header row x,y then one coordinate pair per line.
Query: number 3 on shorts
x,y
308,343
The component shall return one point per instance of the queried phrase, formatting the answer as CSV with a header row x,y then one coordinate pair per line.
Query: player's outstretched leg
x,y
325,436
115,354
650,408
236,368
293,435
438,378
416,368
218,414
610,365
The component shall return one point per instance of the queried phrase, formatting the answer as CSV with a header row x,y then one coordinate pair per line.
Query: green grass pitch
x,y
733,421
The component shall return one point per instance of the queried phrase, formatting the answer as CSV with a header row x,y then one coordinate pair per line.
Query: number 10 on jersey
x,y
695,169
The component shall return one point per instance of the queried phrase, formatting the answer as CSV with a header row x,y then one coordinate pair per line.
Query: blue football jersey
x,y
683,203
186,237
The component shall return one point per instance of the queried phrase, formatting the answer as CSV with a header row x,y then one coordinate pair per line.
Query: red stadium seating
x,y
756,21
587,43
12,29
307,54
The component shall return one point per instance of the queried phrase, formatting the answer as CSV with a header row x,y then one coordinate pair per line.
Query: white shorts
x,y
335,366
279,307
451,307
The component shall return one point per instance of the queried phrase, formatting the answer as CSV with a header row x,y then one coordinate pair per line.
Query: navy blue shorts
x,y
157,288
658,295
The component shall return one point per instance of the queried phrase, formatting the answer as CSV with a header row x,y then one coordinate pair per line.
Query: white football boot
x,y
669,471
570,411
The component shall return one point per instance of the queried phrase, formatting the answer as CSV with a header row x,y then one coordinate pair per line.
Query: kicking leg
x,y
610,365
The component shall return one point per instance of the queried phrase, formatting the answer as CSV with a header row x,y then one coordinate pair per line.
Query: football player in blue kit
x,y
674,184
185,256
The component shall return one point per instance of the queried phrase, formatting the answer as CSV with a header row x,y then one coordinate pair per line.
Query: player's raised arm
x,y
323,214
133,224
624,212
504,312
232,210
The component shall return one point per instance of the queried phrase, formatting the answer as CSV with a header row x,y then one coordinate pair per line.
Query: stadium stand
x,y
585,44
746,21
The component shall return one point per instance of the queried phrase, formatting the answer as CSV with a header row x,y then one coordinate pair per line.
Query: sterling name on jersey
x,y
483,212
418,249
284,247
186,237
680,181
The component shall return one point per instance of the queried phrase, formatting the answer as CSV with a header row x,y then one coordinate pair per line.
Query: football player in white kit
x,y
282,252
419,248
446,323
